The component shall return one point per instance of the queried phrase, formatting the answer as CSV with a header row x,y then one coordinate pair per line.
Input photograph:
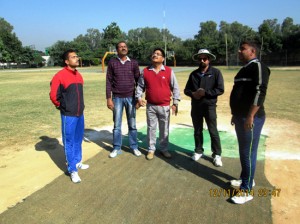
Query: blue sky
x,y
41,23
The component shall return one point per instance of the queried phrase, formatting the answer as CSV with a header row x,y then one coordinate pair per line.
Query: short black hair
x,y
252,44
65,55
117,45
159,49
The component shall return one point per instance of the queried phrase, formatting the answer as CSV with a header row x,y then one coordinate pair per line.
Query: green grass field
x,y
27,112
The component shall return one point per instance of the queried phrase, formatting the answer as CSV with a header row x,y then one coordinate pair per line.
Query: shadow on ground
x,y
54,150
129,189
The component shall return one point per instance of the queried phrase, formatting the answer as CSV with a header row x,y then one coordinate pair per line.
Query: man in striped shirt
x,y
248,115
121,78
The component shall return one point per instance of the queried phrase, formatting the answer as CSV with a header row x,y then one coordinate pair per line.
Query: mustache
x,y
202,65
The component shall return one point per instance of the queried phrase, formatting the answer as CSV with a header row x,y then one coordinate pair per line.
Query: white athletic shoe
x,y
137,153
114,153
241,199
82,166
217,161
196,156
75,177
238,183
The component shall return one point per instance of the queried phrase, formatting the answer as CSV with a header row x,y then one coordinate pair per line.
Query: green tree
x,y
89,46
27,56
185,53
270,35
56,51
84,52
5,55
238,33
207,36
92,38
223,42
290,41
151,34
288,28
112,35
10,44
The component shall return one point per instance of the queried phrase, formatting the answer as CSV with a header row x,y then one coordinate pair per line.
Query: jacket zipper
x,y
78,96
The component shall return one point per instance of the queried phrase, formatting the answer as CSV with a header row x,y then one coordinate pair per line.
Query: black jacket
x,y
211,81
250,88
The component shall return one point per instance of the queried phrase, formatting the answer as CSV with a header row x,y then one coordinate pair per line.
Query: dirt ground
x,y
26,171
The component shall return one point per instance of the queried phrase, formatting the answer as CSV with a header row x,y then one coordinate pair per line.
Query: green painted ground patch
x,y
181,139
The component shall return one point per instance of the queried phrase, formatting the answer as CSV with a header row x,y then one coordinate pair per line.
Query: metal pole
x,y
261,47
165,38
226,50
166,51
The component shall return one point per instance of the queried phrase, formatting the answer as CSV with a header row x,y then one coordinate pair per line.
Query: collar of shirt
x,y
123,62
249,62
201,74
161,68
71,70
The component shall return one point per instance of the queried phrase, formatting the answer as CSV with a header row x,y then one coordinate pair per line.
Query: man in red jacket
x,y
66,93
160,84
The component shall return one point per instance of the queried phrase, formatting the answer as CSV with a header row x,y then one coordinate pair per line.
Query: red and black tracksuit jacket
x,y
66,92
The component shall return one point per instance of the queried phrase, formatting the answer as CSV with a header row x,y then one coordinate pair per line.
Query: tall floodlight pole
x,y
1,59
226,50
165,38
223,29
261,47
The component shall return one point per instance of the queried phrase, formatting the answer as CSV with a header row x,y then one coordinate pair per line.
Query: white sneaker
x,y
196,156
238,183
241,199
114,153
217,161
75,177
137,153
82,166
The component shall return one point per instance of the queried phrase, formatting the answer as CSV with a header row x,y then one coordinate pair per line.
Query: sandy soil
x,y
26,171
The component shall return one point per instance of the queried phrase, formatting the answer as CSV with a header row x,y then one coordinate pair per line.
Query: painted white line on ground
x,y
275,155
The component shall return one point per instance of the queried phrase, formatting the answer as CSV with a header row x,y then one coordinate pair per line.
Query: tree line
x,y
279,43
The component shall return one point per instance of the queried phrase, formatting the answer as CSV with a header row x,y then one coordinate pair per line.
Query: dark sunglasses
x,y
203,59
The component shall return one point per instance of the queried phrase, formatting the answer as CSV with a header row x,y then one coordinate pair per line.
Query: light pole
x,y
165,50
165,38
226,50
223,30
261,47
1,59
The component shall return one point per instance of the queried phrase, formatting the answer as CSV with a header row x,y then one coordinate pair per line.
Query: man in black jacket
x,y
248,115
204,86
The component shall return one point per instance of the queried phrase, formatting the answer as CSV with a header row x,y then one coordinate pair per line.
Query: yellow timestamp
x,y
265,192
260,192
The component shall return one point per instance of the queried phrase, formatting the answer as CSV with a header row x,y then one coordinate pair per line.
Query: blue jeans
x,y
72,135
248,141
129,104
